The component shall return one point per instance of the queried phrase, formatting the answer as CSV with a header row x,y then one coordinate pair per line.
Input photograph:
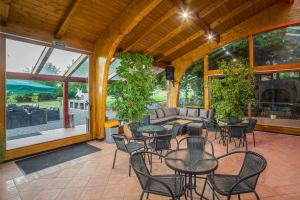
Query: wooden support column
x,y
251,62
173,93
104,50
66,104
2,94
206,80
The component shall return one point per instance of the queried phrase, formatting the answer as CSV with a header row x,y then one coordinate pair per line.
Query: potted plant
x,y
133,91
231,93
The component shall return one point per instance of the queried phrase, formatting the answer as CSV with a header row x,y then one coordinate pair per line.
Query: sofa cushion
x,y
163,120
198,119
182,111
160,113
152,114
203,113
192,112
169,111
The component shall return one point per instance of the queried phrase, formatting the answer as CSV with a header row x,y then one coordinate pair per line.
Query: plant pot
x,y
273,116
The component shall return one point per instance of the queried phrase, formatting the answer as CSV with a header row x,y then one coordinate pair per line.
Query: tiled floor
x,y
91,177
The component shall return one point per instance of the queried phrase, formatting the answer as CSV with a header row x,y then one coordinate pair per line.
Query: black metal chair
x,y
165,185
236,132
137,135
250,128
174,131
124,145
244,182
196,142
212,126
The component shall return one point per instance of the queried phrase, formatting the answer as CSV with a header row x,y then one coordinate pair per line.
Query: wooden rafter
x,y
213,6
166,38
148,30
75,65
42,60
4,12
66,20
234,12
213,26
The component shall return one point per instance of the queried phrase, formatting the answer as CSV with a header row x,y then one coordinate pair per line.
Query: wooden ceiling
x,y
162,33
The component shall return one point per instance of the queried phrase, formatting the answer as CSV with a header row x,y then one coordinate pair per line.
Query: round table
x,y
151,129
191,163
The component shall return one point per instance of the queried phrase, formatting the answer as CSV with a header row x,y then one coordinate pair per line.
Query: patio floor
x,y
91,177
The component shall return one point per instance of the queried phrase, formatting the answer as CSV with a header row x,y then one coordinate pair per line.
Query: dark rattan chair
x,y
244,182
137,135
125,146
197,142
236,132
164,185
174,131
212,126
250,128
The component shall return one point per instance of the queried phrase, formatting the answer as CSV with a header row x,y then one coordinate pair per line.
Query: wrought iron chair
x,y
236,132
137,135
250,128
244,182
212,126
174,131
159,143
165,185
124,145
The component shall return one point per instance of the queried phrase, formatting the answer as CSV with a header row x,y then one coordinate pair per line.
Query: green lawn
x,y
43,104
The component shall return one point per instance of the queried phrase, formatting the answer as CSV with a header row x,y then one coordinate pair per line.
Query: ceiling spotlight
x,y
210,36
184,15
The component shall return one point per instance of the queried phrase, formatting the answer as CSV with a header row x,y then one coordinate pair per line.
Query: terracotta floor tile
x,y
92,193
70,194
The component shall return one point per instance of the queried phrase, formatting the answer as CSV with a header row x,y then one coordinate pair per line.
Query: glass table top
x,y
191,161
151,129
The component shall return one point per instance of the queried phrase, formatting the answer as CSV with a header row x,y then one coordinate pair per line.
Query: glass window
x,y
235,50
277,46
83,70
277,94
59,62
21,56
191,86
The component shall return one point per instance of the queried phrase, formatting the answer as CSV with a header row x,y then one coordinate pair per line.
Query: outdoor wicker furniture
x,y
250,128
244,182
191,163
212,126
125,146
165,185
236,132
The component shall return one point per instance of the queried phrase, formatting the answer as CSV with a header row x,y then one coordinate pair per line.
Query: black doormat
x,y
14,137
49,159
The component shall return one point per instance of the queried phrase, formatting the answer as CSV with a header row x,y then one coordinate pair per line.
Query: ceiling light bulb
x,y
210,36
185,15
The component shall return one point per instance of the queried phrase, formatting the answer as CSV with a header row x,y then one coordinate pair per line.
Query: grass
x,y
43,104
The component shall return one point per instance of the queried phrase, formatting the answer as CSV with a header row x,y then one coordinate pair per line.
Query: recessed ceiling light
x,y
185,15
210,36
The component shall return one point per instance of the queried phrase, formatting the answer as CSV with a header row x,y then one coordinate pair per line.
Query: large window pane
x,y
21,56
191,86
278,94
277,46
235,50
83,70
59,62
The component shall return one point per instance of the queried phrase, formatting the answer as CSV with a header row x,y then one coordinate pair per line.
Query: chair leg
x,y
115,158
129,169
142,195
203,189
239,196
227,144
246,143
256,195
147,195
253,138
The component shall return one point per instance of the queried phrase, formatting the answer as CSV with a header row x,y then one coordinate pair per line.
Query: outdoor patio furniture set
x,y
191,160
24,116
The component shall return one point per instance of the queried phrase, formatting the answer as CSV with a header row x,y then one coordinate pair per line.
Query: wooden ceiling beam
x,y
148,30
166,38
66,20
212,7
42,60
234,12
213,26
4,12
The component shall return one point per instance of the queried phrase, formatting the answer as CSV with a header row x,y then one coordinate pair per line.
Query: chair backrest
x,y
134,126
120,142
253,165
137,161
175,130
196,143
210,125
162,142
251,125
235,131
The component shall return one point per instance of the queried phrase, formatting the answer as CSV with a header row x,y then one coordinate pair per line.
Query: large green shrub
x,y
231,93
136,85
